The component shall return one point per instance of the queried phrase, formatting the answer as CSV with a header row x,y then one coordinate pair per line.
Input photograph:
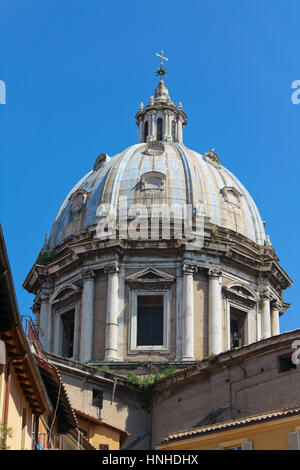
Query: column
x,y
179,129
170,126
87,316
250,333
166,130
141,127
275,311
45,320
178,314
111,333
215,320
188,312
121,309
153,126
265,316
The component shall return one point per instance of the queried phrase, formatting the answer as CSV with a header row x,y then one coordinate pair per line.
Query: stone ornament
x,y
189,268
36,306
87,275
277,305
112,269
214,272
212,158
155,148
44,297
101,160
266,296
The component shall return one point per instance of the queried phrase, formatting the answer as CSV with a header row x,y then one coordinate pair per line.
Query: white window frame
x,y
165,347
247,326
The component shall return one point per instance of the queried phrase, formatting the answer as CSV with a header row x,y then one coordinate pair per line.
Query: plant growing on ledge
x,y
146,384
46,256
212,358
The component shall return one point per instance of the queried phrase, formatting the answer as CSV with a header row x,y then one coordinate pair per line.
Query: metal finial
x,y
162,71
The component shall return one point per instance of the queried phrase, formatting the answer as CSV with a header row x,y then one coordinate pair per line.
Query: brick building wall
x,y
247,381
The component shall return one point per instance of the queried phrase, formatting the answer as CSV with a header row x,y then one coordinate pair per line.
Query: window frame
x,y
58,330
141,318
159,129
133,295
146,130
241,297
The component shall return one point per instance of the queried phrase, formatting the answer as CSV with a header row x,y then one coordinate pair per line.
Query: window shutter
x,y
294,440
247,445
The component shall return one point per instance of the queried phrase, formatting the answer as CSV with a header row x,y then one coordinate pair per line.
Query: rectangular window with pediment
x,y
68,320
237,328
150,320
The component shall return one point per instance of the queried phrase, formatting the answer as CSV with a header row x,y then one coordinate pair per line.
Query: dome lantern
x,y
161,120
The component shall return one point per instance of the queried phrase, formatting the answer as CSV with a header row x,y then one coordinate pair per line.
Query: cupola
x,y
161,119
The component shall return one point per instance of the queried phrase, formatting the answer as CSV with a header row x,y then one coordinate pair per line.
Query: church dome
x,y
158,254
182,176
160,170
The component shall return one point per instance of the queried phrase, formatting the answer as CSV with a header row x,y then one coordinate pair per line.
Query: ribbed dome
x,y
187,177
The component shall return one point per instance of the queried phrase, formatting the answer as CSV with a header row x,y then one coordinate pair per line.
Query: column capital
x,y
36,307
189,268
87,274
44,296
276,305
266,296
214,272
112,269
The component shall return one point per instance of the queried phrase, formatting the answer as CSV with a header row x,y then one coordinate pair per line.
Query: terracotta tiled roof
x,y
246,421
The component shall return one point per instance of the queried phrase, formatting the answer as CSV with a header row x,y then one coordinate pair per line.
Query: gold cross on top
x,y
162,58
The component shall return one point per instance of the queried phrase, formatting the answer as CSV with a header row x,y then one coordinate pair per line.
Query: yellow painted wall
x,y
98,434
17,402
273,435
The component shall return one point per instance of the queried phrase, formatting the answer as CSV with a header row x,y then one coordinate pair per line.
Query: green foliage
x,y
212,358
146,384
46,256
5,432
169,370
105,369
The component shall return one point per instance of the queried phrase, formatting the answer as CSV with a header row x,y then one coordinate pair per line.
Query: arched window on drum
x,y
159,128
146,131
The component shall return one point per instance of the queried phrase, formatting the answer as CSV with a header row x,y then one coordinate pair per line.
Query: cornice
x,y
223,245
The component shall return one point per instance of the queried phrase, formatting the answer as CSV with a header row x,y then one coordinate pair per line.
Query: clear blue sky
x,y
76,71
